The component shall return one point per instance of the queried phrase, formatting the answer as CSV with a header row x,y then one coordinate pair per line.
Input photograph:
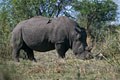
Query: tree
x,y
24,9
93,13
96,10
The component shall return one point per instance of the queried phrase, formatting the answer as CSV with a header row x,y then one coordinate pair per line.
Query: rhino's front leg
x,y
61,49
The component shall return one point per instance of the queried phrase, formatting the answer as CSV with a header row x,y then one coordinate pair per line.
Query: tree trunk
x,y
89,35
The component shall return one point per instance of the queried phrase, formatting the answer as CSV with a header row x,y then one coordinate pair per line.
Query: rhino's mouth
x,y
85,55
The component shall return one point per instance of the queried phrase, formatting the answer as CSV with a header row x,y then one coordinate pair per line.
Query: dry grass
x,y
50,67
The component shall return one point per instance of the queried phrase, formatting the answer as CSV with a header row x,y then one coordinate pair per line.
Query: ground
x,y
50,67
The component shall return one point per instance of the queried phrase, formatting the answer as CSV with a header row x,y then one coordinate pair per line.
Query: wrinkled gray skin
x,y
44,34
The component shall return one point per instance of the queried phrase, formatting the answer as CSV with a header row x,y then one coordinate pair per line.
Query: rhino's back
x,y
36,33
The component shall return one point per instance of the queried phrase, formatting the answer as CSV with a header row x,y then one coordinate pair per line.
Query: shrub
x,y
109,46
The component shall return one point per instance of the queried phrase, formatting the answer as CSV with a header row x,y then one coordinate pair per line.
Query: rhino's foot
x,y
33,59
62,56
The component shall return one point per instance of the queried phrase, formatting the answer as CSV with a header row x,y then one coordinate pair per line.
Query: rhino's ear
x,y
77,29
78,36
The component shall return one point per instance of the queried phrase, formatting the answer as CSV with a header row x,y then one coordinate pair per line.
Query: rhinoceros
x,y
45,34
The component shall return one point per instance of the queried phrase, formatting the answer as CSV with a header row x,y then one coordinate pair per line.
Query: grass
x,y
50,67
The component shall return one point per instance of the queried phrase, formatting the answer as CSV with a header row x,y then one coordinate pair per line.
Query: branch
x,y
59,7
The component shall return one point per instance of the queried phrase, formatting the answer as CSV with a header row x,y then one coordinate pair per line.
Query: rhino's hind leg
x,y
61,49
16,51
15,54
30,54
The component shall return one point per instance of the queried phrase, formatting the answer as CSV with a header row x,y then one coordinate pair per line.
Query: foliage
x,y
9,72
94,13
24,9
109,46
4,32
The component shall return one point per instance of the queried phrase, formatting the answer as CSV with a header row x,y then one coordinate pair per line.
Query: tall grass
x,y
5,48
109,46
8,71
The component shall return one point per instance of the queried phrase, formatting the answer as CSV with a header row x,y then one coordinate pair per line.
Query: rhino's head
x,y
79,46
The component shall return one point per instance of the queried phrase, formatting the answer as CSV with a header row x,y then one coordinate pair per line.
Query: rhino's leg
x,y
30,54
15,52
61,49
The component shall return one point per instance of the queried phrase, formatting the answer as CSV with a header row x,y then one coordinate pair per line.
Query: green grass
x,y
50,67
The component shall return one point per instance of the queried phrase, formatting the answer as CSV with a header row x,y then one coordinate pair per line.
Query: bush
x,y
5,49
9,71
109,46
